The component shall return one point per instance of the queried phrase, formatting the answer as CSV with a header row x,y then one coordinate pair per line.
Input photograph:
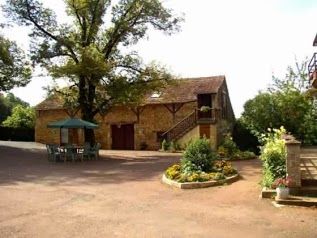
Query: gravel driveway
x,y
122,195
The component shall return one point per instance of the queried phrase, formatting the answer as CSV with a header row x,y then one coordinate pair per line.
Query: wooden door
x,y
204,100
122,137
204,131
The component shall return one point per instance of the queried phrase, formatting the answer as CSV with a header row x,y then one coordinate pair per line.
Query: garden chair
x,y
69,153
84,152
53,154
94,151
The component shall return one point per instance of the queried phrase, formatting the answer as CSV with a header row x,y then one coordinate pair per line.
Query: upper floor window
x,y
156,95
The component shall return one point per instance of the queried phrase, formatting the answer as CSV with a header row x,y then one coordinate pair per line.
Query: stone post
x,y
293,165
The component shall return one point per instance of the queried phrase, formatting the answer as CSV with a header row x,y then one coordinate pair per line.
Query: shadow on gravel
x,y
248,168
31,165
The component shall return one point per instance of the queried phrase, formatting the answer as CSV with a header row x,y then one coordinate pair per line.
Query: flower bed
x,y
192,185
198,167
221,172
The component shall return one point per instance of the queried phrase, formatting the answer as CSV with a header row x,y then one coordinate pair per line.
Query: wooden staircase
x,y
181,128
308,167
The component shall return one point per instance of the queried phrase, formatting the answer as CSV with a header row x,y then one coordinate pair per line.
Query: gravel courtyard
x,y
121,195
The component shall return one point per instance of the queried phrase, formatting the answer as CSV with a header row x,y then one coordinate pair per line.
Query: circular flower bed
x,y
198,165
220,170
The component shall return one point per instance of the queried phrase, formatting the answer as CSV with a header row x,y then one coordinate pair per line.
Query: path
x,y
122,195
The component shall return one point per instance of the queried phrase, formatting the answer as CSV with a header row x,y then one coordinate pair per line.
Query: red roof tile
x,y
179,91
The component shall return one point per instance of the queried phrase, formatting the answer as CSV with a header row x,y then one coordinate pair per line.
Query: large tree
x,y
94,51
15,70
7,103
21,117
285,103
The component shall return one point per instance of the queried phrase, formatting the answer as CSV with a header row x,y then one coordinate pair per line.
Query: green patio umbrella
x,y
73,123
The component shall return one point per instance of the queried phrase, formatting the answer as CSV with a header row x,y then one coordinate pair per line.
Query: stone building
x,y
184,110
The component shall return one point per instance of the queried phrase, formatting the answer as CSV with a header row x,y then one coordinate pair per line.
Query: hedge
x,y
16,134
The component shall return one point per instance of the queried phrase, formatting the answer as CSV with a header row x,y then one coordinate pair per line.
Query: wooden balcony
x,y
312,71
209,117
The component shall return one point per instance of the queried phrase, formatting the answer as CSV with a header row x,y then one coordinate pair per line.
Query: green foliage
x,y
175,145
199,153
244,154
16,134
189,172
285,103
273,155
205,109
165,145
224,167
94,55
188,168
15,70
228,146
244,139
21,117
7,103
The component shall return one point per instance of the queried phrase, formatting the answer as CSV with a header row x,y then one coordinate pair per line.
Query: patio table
x,y
75,151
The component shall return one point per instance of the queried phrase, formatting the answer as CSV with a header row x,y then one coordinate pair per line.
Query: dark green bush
x,y
165,145
199,153
175,145
16,134
244,139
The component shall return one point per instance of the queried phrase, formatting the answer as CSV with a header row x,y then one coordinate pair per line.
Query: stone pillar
x,y
293,165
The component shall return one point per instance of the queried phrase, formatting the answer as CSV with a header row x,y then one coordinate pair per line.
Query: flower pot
x,y
282,193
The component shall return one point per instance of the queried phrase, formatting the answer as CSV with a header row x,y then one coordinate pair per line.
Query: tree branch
x,y
51,35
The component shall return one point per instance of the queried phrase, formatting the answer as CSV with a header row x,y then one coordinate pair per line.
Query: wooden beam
x,y
137,111
71,113
175,108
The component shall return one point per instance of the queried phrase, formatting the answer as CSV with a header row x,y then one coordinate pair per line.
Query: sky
x,y
248,41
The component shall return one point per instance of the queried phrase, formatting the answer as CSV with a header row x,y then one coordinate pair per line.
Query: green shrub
x,y
244,154
205,109
228,147
219,176
188,168
244,139
200,154
273,155
165,145
175,145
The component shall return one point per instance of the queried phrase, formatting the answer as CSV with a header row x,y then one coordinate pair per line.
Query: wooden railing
x,y
308,167
312,66
210,116
179,128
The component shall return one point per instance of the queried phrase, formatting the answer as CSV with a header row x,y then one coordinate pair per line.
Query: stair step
x,y
309,191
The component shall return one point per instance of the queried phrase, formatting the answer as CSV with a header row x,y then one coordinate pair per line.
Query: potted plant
x,y
282,191
205,109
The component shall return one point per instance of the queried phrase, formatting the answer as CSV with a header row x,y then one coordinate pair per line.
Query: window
x,y
156,95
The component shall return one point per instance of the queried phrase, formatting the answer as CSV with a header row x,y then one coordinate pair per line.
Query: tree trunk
x,y
89,133
90,136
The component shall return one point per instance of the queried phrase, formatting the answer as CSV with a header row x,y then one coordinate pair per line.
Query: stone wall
x,y
293,165
153,119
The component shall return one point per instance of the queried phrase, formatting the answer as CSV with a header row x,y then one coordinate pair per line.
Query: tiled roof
x,y
180,91
185,90
52,102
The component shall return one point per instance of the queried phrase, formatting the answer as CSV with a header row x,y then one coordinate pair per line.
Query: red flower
x,y
281,182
